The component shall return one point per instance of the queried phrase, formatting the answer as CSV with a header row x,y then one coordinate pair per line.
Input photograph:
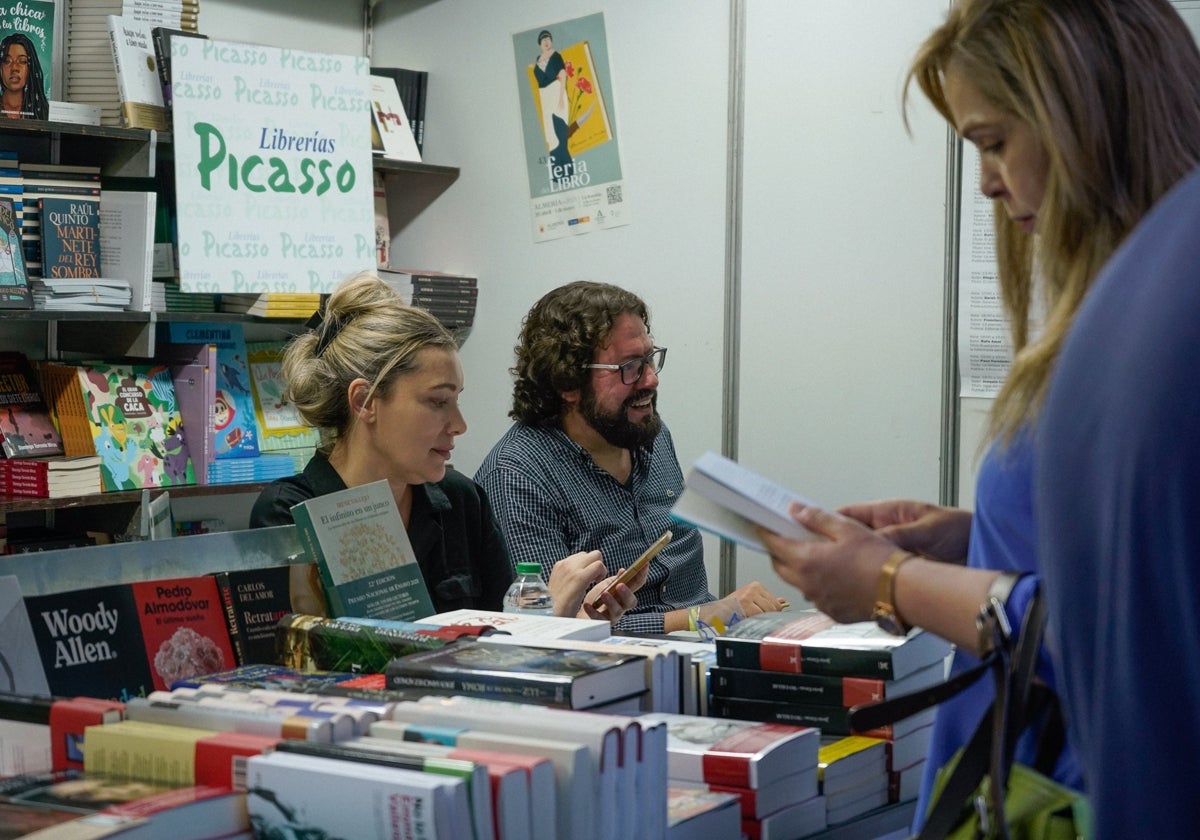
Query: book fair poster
x,y
569,127
273,167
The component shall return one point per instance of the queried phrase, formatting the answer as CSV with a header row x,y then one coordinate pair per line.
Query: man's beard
x,y
616,428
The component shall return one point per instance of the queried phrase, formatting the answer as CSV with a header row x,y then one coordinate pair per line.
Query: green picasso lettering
x,y
316,176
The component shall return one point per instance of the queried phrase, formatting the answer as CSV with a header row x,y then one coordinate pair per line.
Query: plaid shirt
x,y
552,500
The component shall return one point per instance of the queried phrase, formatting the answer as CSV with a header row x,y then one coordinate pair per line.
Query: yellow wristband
x,y
693,618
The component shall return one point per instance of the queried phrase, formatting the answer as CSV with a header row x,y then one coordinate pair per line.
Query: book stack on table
x,y
804,669
771,768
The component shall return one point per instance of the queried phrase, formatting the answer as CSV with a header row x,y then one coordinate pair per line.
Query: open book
x,y
728,499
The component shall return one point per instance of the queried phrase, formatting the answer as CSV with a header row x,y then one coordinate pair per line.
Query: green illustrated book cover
x,y
368,568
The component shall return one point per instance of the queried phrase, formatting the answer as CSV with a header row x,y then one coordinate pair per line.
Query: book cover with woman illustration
x,y
26,58
567,119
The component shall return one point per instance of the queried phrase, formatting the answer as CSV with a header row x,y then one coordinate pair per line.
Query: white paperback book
x,y
722,496
591,811
136,69
568,812
127,243
289,794
390,121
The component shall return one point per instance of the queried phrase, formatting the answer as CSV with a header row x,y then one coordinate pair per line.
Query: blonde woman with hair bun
x,y
381,382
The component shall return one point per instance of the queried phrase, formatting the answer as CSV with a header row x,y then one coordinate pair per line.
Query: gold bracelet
x,y
885,614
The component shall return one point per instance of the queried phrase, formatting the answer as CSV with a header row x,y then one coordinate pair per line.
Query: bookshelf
x,y
137,158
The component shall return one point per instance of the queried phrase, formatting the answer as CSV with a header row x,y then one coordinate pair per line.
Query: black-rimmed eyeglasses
x,y
633,370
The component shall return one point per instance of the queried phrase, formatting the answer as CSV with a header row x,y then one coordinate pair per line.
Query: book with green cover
x,y
358,541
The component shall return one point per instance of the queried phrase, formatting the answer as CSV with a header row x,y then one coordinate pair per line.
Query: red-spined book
x,y
815,688
740,754
221,758
813,643
69,717
757,803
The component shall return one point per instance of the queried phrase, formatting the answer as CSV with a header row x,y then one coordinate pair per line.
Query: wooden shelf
x,y
124,152
17,504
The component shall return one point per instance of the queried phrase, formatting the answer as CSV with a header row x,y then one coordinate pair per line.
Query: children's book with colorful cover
x,y
136,426
280,424
194,374
235,430
14,281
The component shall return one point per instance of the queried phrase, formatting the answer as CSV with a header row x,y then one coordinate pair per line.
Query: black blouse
x,y
452,529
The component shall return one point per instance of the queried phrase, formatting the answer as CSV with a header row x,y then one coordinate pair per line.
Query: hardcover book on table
x,y
811,642
736,753
569,810
125,640
311,642
367,564
572,679
256,599
522,786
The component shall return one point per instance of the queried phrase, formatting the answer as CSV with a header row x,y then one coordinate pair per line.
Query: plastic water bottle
x,y
529,593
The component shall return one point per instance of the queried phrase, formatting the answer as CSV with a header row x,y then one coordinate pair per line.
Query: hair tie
x,y
326,331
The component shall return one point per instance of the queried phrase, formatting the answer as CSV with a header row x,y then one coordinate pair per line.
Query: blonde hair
x,y
366,331
1111,88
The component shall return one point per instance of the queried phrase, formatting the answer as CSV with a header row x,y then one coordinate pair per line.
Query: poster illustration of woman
x,y
550,71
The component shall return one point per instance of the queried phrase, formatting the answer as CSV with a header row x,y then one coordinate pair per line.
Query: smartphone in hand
x,y
637,565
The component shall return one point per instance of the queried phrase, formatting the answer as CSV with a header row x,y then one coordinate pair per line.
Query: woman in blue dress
x,y
1078,135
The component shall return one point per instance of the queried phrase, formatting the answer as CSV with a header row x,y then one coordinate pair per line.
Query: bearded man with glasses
x,y
589,463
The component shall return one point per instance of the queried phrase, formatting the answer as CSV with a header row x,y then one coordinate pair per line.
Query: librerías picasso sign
x,y
272,167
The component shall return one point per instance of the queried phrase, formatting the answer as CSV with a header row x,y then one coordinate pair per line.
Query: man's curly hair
x,y
558,337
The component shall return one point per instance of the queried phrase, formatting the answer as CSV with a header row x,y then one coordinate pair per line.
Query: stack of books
x,y
450,297
854,776
299,305
79,294
771,768
175,300
50,478
91,76
804,669
411,85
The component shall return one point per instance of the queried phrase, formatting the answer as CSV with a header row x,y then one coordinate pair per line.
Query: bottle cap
x,y
529,569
